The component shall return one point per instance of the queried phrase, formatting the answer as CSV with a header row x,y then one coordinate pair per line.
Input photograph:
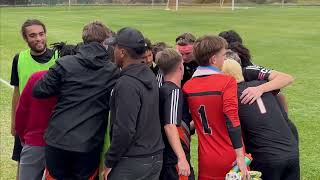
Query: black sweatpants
x,y
278,170
65,165
142,168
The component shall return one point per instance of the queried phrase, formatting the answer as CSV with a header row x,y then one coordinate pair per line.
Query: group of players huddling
x,y
158,97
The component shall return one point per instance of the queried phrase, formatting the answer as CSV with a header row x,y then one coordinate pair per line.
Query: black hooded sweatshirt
x,y
135,123
82,83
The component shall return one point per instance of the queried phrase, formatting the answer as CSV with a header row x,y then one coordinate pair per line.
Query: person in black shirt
x,y
277,79
149,58
136,145
176,157
267,135
82,84
157,47
184,44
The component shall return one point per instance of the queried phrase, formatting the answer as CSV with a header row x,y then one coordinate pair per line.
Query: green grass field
x,y
286,39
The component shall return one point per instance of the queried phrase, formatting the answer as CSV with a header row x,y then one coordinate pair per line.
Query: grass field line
x,y
6,83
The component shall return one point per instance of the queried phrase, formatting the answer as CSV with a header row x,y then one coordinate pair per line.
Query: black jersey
x,y
266,133
171,105
157,72
251,73
189,69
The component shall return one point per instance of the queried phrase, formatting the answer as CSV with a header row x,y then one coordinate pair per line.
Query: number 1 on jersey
x,y
204,120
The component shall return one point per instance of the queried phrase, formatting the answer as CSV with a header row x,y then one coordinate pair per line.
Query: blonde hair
x,y
168,60
233,68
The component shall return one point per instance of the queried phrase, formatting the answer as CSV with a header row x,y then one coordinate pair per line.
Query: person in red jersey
x,y
32,116
213,104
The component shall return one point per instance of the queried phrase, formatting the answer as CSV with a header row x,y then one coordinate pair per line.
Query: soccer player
x,y
148,56
213,104
82,83
136,145
277,80
158,47
184,44
149,59
38,57
266,133
176,158
32,116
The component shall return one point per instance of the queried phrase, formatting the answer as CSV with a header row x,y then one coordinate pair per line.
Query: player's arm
x,y
16,93
127,106
15,100
173,114
276,80
50,83
230,110
175,143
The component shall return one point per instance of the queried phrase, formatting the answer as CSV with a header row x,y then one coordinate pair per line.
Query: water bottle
x,y
248,160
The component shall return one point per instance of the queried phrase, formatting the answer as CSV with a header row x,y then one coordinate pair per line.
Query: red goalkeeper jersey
x,y
213,104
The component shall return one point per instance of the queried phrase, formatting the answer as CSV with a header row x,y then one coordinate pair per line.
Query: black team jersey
x,y
266,133
255,72
171,105
157,72
189,69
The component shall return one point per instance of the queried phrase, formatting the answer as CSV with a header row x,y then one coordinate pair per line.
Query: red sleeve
x,y
22,110
230,110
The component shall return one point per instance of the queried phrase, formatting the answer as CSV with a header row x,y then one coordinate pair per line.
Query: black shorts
x,y
171,173
17,148
278,170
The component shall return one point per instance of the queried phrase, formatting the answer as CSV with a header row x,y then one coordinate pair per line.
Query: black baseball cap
x,y
128,37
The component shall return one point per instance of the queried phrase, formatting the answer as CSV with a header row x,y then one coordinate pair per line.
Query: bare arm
x,y
282,99
277,80
242,163
174,141
15,100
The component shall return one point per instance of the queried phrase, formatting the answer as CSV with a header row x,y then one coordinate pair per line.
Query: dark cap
x,y
128,37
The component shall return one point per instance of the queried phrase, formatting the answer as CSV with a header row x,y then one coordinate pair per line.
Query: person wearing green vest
x,y
38,57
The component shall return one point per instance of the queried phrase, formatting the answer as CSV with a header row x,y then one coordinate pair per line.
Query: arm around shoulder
x,y
50,83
